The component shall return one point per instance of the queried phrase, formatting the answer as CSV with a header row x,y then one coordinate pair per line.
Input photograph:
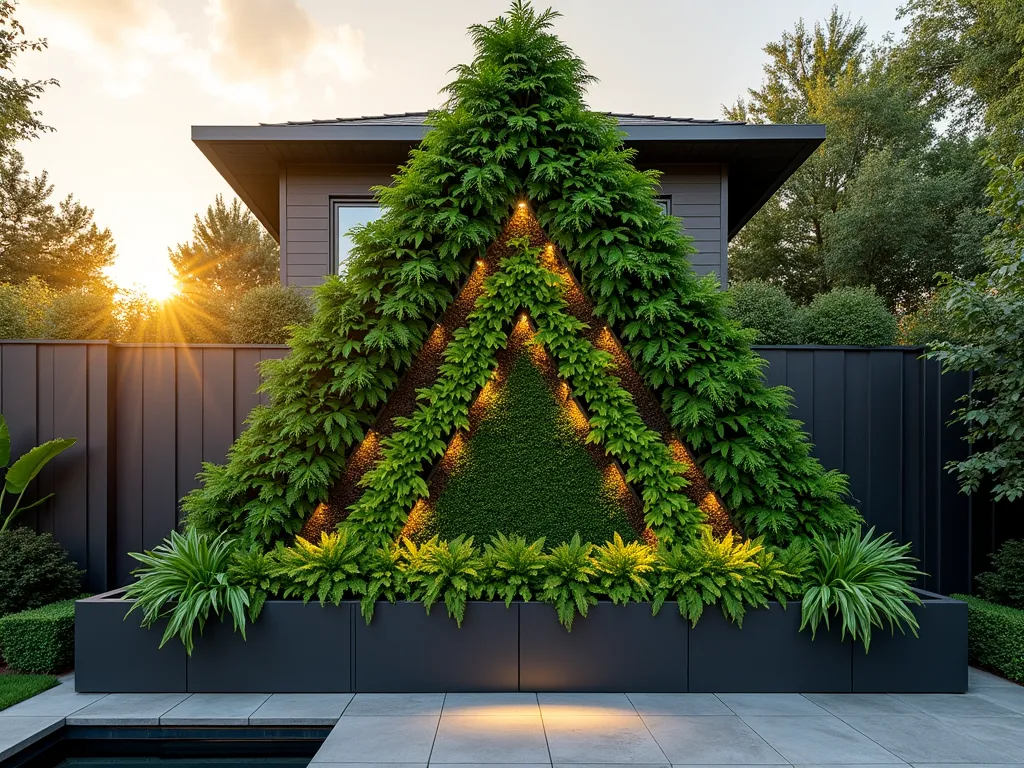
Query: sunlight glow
x,y
157,285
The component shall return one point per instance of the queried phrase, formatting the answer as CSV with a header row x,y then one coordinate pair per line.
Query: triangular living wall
x,y
515,128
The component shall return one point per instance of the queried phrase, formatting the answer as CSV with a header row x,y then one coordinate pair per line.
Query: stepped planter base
x,y
296,648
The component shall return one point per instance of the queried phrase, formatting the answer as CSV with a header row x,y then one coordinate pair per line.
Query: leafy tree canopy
x,y
18,120
969,57
810,237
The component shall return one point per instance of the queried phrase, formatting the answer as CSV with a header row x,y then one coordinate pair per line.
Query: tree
x,y
17,118
987,317
229,254
830,75
61,245
969,56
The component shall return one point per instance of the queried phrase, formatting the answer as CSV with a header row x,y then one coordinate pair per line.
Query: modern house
x,y
309,182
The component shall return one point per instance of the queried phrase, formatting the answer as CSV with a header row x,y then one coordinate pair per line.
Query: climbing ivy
x,y
515,125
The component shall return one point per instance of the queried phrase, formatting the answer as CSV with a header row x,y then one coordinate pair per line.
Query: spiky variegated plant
x,y
514,126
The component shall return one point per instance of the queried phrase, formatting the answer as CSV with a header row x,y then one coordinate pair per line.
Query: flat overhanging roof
x,y
251,157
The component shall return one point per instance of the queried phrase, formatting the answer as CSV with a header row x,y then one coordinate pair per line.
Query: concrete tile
x,y
20,731
489,739
490,704
215,709
497,765
1006,733
979,678
599,738
1011,697
678,704
376,765
767,704
608,765
59,701
969,765
924,739
127,709
711,740
818,740
585,704
395,704
301,709
862,704
376,739
955,705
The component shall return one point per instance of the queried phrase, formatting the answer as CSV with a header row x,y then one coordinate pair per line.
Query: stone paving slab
x,y
755,704
585,704
20,731
372,738
301,709
59,701
215,709
963,705
127,709
1010,697
678,704
606,738
491,704
489,739
925,739
814,740
840,704
711,740
395,704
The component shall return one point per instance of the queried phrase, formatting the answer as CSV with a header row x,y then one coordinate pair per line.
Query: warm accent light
x,y
522,204
417,516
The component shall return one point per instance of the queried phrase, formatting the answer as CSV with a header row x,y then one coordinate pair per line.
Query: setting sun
x,y
159,286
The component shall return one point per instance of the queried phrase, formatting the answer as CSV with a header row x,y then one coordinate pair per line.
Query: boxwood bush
x,y
995,637
1004,584
265,313
34,571
41,640
766,309
850,316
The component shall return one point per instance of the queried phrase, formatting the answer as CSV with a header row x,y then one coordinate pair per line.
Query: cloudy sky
x,y
136,74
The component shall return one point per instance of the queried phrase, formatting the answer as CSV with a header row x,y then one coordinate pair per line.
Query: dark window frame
x,y
665,201
343,201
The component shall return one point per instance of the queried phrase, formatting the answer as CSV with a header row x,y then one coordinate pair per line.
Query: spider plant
x,y
571,580
864,582
184,579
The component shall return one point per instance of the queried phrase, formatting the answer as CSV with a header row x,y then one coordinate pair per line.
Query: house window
x,y
347,213
665,202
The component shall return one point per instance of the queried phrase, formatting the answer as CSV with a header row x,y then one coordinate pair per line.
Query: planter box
x,y
616,648
404,650
114,655
292,648
934,662
769,655
296,648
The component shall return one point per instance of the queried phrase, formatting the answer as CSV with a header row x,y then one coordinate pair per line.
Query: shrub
x,y
864,582
79,315
513,568
929,323
1004,584
995,637
853,316
34,571
190,574
258,573
571,579
265,312
623,570
328,570
41,640
766,309
444,570
22,307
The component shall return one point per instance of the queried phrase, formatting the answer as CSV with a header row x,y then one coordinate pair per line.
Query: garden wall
x,y
147,416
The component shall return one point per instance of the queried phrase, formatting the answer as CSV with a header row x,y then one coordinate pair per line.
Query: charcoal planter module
x,y
297,648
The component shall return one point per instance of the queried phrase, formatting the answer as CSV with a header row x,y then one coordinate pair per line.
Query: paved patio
x,y
983,727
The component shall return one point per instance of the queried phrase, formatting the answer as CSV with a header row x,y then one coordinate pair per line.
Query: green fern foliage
x,y
571,580
383,569
513,568
624,570
444,570
327,571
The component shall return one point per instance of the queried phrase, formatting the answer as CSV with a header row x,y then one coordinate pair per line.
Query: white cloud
x,y
256,52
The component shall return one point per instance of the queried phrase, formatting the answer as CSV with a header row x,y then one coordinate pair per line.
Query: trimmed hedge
x,y
41,640
853,316
34,571
766,309
995,637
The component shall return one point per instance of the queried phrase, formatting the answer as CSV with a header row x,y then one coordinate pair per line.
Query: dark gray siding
x,y
306,224
698,192
699,195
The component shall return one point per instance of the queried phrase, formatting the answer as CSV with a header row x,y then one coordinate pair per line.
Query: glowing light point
x,y
522,204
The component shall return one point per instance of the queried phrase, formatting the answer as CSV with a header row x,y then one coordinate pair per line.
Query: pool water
x,y
188,762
